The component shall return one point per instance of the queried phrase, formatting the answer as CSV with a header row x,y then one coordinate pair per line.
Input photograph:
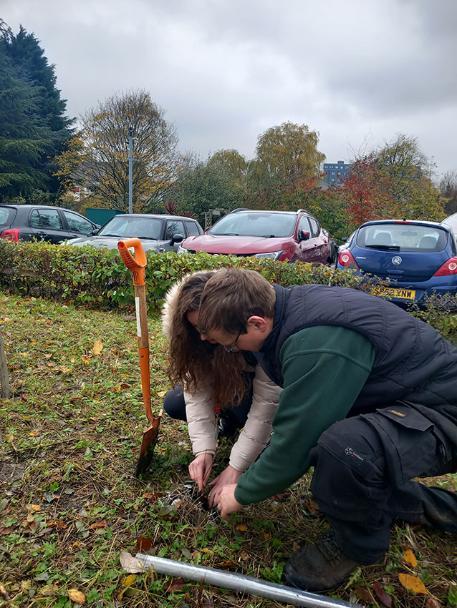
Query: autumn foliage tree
x,y
104,157
286,167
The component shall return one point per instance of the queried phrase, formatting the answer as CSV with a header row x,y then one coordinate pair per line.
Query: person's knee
x,y
174,404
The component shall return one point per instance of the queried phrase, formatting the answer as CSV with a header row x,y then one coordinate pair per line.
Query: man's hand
x,y
227,502
228,476
200,469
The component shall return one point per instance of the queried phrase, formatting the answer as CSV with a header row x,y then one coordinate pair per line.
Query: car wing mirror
x,y
177,238
303,235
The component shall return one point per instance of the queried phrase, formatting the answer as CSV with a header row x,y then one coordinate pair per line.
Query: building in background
x,y
336,173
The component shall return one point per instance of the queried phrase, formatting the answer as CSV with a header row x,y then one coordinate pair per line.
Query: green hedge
x,y
98,277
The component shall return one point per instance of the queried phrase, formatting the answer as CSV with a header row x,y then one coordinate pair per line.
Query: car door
x,y
172,228
321,242
306,242
77,225
46,224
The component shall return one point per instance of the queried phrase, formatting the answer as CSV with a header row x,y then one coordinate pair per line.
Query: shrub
x,y
98,277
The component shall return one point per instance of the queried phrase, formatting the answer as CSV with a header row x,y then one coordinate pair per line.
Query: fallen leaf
x,y
131,564
129,580
412,583
432,603
143,543
410,558
98,524
381,594
363,594
49,590
98,347
176,585
152,497
244,556
162,394
4,592
33,508
58,524
241,527
34,433
77,596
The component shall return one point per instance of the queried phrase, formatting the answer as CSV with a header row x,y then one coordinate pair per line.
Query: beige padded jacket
x,y
200,409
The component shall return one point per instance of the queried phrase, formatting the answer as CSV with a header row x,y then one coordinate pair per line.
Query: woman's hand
x,y
228,476
227,502
200,469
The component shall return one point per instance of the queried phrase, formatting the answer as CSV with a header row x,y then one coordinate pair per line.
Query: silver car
x,y
156,232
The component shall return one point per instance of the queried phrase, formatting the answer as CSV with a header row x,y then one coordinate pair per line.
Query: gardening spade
x,y
137,266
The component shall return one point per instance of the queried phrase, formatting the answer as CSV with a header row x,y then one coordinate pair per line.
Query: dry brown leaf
x,y
131,564
4,592
176,585
143,543
412,583
410,558
241,527
77,596
363,594
33,508
98,347
432,602
34,433
381,594
98,524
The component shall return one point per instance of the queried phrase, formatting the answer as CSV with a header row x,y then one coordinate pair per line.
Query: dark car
x,y
281,235
417,257
156,232
42,223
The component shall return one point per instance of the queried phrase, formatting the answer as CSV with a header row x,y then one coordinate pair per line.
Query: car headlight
x,y
273,255
182,249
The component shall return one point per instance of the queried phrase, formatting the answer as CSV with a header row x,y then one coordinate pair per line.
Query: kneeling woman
x,y
214,378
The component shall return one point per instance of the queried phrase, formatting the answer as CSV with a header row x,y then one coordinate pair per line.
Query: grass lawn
x,y
69,502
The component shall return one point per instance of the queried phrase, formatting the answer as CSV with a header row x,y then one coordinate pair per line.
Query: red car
x,y
281,235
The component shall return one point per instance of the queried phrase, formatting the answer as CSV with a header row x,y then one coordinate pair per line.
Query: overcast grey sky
x,y
357,71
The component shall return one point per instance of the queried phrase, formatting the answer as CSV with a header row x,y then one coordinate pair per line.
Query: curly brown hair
x,y
194,362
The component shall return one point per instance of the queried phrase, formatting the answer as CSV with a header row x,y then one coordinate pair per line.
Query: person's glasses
x,y
232,348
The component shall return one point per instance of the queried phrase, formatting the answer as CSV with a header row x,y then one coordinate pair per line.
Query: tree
x,y
392,181
287,162
217,184
33,128
448,189
105,136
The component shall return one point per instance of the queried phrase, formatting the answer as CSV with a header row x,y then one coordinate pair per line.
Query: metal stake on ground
x,y
240,583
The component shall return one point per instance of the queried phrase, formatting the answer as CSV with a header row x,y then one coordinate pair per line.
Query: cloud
x,y
226,70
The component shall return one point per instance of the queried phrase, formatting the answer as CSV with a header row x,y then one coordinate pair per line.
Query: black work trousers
x,y
364,478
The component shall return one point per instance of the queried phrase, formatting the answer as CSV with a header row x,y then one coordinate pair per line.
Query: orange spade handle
x,y
137,264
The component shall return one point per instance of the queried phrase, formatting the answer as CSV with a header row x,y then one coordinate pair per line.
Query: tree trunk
x,y
5,391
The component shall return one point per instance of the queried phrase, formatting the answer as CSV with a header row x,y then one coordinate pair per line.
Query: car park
x,y
417,258
280,235
42,223
156,232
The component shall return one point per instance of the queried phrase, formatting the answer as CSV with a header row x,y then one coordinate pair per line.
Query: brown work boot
x,y
319,567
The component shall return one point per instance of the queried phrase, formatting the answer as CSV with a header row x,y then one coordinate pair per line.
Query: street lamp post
x,y
130,157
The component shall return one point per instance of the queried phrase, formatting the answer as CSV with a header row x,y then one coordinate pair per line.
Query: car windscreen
x,y
402,237
255,224
6,215
130,227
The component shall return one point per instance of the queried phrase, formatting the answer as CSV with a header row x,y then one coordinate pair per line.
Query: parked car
x,y
157,232
42,223
418,258
280,235
451,222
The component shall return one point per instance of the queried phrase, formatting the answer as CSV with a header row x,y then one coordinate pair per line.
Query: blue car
x,y
418,258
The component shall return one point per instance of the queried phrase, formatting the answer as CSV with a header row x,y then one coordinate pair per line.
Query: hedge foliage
x,y
98,277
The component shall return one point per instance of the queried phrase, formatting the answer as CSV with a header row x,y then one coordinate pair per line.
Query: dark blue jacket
x,y
413,362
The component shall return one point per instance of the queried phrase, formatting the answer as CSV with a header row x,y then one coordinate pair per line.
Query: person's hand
x,y
200,469
228,476
227,502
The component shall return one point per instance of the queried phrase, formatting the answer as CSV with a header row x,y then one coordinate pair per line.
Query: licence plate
x,y
393,292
